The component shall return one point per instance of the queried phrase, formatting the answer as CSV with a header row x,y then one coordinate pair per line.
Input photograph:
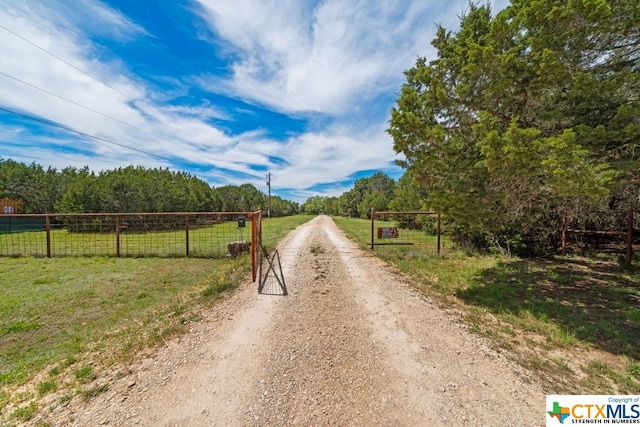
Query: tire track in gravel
x,y
323,368
363,348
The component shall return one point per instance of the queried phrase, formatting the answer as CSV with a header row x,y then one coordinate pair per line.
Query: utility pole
x,y
269,186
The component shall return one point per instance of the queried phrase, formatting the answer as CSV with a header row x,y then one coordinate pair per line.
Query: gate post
x,y
629,237
373,212
256,242
438,233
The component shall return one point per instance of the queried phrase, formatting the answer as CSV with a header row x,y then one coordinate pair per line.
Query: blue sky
x,y
225,90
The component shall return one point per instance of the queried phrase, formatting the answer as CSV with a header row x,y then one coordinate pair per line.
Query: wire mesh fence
x,y
207,235
407,233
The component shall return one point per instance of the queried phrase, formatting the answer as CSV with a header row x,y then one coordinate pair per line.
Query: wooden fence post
x,y
564,234
373,211
438,233
629,237
48,230
117,236
186,230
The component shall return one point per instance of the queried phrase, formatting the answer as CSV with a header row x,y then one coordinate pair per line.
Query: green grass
x,y
47,387
25,413
58,314
574,304
409,244
71,304
94,391
274,229
85,374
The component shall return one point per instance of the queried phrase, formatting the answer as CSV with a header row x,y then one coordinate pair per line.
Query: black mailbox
x,y
241,222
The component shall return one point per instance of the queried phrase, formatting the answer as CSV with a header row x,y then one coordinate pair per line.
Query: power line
x,y
78,104
136,102
68,129
66,62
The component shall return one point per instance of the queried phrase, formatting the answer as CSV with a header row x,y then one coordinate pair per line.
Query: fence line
x,y
169,234
416,233
120,234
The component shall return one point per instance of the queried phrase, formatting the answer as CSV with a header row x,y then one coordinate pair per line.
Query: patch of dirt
x,y
352,344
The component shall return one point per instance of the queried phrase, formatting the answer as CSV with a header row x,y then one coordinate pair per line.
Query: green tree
x,y
523,116
37,189
81,194
409,195
314,205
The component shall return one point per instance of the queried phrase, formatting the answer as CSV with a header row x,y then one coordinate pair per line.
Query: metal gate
x,y
415,228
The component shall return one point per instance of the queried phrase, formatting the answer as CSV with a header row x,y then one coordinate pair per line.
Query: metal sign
x,y
388,233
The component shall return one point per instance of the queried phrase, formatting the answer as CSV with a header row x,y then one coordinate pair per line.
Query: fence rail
x,y
618,236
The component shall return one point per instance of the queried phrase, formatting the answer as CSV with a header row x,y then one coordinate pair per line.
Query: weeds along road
x,y
352,345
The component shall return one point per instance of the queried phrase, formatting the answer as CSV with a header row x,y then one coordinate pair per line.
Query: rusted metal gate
x,y
619,230
256,242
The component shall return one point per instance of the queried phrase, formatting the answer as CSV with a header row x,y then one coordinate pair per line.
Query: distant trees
x,y
129,189
136,189
37,189
376,191
525,116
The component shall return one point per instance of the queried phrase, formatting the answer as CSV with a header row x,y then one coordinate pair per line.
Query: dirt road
x,y
351,345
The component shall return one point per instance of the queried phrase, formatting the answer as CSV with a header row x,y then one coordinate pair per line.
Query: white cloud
x,y
324,57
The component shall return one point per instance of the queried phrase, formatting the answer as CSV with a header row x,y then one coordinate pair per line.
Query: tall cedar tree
x,y
526,116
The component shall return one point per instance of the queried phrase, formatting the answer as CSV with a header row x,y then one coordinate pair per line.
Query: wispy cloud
x,y
323,57
51,89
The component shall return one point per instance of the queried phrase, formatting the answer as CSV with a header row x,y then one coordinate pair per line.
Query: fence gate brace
x,y
277,274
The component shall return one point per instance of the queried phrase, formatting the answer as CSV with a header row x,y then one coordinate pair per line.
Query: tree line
x,y
128,189
379,191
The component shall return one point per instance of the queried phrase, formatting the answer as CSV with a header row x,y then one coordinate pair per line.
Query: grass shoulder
x,y
574,320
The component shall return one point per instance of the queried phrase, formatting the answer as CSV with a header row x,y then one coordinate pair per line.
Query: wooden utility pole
x,y
269,186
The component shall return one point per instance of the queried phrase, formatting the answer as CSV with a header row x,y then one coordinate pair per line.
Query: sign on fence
x,y
388,233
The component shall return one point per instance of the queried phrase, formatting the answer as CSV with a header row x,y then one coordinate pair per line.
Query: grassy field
x,y
63,319
574,320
